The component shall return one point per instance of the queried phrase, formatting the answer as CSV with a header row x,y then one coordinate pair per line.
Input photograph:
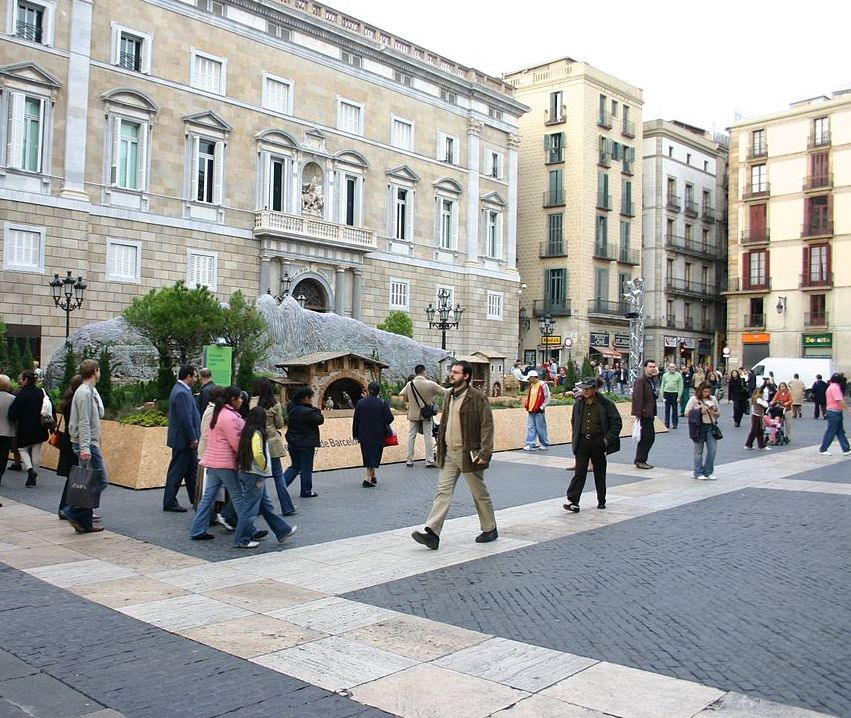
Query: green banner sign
x,y
218,360
817,340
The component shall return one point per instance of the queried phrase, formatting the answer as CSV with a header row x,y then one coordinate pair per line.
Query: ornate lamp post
x,y
286,280
633,294
442,312
547,327
67,295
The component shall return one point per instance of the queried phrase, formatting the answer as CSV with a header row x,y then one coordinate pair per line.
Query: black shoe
x,y
176,509
487,536
292,512
31,477
202,537
17,467
427,538
311,495
259,535
367,484
602,505
643,465
571,507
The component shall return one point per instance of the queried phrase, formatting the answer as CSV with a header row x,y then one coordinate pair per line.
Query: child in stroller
x,y
774,423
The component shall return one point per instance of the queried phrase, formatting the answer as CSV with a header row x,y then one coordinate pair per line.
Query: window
x,y
129,154
351,58
601,284
556,112
669,229
131,49
123,260
707,201
201,269
625,236
349,116
399,292
447,149
211,6
23,248
688,158
555,193
689,319
669,267
25,132
277,94
704,275
759,181
689,233
689,194
818,309
817,215
555,287
447,223
277,183
208,73
402,134
32,21
816,264
755,269
687,272
449,97
276,30
758,146
350,208
554,147
208,170
493,164
604,200
555,234
493,234
402,213
672,189
603,111
669,310
821,131
495,306
601,234
614,108
403,78
495,113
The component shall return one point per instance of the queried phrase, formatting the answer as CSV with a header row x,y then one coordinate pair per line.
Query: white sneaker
x,y
543,447
283,538
766,448
847,453
711,477
827,453
748,448
528,448
250,544
224,523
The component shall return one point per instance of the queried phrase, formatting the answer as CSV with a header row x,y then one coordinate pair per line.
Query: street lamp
x,y
67,295
547,327
633,294
286,281
443,311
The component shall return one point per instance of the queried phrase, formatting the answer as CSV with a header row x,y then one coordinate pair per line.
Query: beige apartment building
x,y
790,233
579,209
261,145
684,242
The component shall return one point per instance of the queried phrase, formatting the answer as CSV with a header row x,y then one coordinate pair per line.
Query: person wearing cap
x,y
535,402
597,428
835,406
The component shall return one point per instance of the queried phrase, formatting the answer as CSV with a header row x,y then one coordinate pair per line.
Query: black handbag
x,y
84,487
716,431
427,411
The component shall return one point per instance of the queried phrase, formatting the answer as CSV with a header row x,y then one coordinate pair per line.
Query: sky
x,y
694,61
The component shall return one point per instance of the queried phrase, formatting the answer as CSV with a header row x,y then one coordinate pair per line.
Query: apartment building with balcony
x,y
684,242
790,233
237,143
579,208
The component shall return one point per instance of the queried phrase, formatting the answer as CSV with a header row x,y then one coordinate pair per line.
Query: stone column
x,y
265,275
357,285
511,249
474,130
76,114
339,287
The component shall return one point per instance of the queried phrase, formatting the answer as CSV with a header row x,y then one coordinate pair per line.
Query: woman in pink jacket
x,y
220,461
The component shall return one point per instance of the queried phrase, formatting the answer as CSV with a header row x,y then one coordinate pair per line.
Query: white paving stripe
x,y
493,673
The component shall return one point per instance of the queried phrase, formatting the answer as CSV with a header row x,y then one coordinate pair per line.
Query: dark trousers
x,y
302,463
594,450
183,468
5,445
757,432
648,436
739,406
820,405
672,399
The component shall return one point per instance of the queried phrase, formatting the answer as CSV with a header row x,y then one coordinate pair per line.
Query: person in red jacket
x,y
537,398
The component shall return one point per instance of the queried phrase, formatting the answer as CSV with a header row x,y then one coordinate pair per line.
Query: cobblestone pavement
x,y
684,598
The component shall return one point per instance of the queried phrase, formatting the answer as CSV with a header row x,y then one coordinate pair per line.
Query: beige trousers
x,y
446,488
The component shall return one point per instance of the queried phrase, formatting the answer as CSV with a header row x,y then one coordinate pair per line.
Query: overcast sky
x,y
694,61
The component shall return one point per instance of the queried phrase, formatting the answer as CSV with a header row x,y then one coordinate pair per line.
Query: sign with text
x,y
622,341
218,360
599,339
756,338
554,340
817,340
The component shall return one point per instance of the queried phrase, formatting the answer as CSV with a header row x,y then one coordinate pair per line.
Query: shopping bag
x,y
391,439
636,430
84,487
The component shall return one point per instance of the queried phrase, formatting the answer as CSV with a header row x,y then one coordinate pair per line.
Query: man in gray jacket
x,y
84,430
7,427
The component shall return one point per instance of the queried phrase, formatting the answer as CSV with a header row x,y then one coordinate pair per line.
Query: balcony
x,y
130,61
817,229
748,284
628,129
707,214
756,191
671,322
29,31
313,229
604,119
628,168
818,182
629,256
758,151
754,321
690,246
607,308
756,236
705,326
554,155
554,198
604,159
815,319
555,308
559,117
816,280
627,208
690,208
552,248
688,287
673,204
604,201
603,250
688,323
817,142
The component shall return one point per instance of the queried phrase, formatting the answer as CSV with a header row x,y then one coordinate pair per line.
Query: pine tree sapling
x,y
587,369
398,322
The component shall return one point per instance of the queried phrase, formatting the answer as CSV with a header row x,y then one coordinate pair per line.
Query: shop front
x,y
817,346
755,347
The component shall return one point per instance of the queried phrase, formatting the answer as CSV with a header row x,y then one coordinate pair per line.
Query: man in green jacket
x,y
672,391
464,446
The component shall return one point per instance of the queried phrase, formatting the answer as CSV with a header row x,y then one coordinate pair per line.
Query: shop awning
x,y
608,352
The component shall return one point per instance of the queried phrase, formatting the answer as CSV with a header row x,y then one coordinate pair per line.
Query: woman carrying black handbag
x,y
703,411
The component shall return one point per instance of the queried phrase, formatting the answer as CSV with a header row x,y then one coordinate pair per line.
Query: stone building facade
x,y
239,143
790,233
579,208
684,242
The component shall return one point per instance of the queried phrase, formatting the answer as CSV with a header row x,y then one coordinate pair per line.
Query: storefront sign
x,y
218,360
689,342
599,339
671,342
554,340
756,338
817,340
622,341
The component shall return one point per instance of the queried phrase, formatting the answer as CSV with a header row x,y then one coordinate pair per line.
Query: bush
x,y
152,417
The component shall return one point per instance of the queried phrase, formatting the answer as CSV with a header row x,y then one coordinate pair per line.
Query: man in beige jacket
x,y
420,392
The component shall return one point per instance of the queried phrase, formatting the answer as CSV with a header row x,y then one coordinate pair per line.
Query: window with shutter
x,y
349,117
494,306
399,294
123,260
23,248
402,134
201,269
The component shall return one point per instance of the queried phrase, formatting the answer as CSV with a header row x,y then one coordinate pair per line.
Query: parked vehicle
x,y
784,368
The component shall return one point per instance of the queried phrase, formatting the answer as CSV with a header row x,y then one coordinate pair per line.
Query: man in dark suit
x,y
644,395
184,430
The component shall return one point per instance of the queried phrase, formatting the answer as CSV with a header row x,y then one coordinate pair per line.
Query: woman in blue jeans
x,y
303,421
255,466
706,413
264,397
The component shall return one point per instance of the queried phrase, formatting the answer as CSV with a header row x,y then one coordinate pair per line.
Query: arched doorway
x,y
313,293
353,389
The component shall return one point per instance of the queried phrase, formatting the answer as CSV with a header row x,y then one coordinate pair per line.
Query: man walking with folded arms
x,y
644,395
672,391
184,430
464,446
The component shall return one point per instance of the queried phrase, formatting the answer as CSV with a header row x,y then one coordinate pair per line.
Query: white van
x,y
785,368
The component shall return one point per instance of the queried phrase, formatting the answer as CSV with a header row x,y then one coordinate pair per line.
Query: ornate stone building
x,y
255,145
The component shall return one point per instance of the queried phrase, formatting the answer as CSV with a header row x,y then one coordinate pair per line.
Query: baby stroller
x,y
774,423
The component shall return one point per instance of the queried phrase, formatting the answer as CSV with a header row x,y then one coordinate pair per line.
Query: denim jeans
x,y
705,466
302,463
281,486
536,426
835,430
255,498
205,508
84,516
